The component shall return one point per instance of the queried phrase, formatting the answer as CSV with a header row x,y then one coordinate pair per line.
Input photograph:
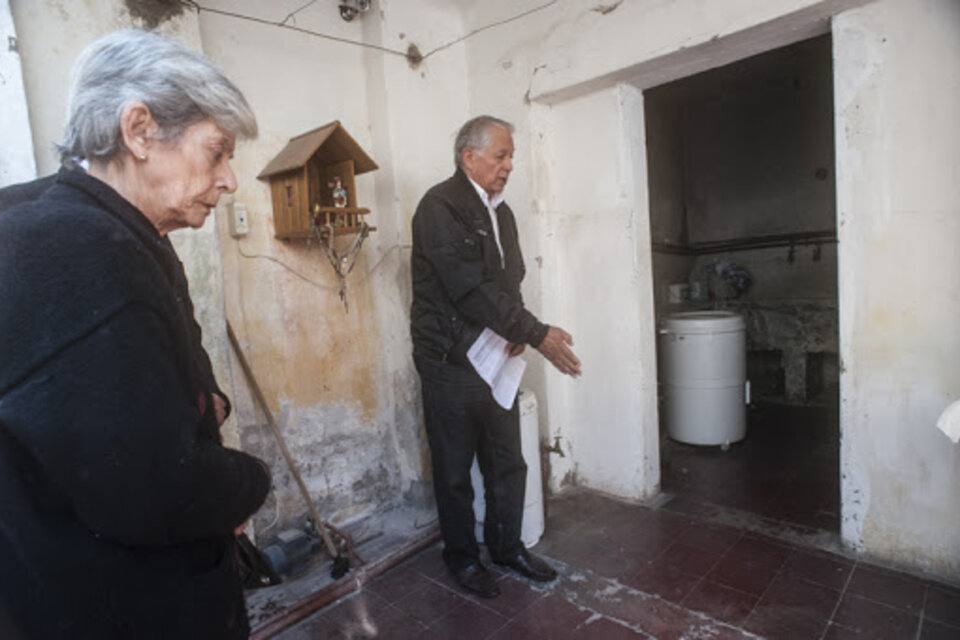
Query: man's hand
x,y
515,348
556,348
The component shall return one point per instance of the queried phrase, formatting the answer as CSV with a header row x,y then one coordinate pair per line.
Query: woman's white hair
x,y
475,134
179,86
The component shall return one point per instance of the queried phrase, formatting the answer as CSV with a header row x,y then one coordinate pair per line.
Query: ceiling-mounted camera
x,y
350,8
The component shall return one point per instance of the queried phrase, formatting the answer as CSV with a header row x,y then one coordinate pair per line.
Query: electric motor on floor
x,y
703,377
533,522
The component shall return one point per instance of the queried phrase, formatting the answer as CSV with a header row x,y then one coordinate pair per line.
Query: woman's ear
x,y
137,127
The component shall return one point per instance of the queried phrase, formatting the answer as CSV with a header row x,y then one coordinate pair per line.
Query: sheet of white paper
x,y
490,356
949,421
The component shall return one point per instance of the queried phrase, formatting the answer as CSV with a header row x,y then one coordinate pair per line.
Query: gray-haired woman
x,y
119,504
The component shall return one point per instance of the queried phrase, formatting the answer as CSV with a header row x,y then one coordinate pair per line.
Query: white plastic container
x,y
533,518
703,376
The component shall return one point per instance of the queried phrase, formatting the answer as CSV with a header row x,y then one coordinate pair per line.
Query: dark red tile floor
x,y
786,469
629,571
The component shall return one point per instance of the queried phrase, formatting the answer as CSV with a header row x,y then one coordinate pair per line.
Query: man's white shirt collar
x,y
491,204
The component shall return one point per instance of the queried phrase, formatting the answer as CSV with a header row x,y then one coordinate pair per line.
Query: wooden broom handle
x,y
258,396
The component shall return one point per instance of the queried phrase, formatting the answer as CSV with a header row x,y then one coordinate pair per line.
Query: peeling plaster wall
x,y
341,384
316,365
414,114
897,77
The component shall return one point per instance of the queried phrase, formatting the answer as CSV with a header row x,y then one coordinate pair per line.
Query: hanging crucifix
x,y
342,264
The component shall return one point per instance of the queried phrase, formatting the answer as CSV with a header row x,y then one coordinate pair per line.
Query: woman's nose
x,y
228,181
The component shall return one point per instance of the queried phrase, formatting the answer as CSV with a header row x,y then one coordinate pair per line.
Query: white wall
x,y
596,283
579,188
51,33
896,100
414,115
342,383
897,75
16,152
562,75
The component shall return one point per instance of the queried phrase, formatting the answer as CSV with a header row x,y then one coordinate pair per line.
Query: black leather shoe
x,y
527,565
476,579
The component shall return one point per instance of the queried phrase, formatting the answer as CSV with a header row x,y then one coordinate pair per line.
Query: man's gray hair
x,y
179,86
475,134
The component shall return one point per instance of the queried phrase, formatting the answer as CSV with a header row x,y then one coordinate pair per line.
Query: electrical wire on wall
x,y
308,280
413,56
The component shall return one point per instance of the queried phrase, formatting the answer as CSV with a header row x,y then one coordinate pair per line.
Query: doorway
x,y
740,163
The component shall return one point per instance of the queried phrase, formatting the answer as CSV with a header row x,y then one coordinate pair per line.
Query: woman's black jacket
x,y
117,501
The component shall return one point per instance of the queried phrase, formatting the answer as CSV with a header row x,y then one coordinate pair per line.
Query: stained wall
x,y
571,75
897,87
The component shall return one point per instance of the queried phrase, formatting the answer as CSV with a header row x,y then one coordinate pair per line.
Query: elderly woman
x,y
119,505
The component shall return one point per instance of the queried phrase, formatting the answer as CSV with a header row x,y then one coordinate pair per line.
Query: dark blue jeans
x,y
463,419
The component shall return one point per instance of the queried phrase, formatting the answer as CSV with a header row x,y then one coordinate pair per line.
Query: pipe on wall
x,y
745,244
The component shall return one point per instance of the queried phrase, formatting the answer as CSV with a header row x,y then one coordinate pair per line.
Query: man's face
x,y
490,167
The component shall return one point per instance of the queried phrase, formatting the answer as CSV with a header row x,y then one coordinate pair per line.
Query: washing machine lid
x,y
703,322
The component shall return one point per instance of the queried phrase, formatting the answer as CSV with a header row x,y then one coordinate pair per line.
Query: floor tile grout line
x,y
467,597
923,610
843,594
704,576
780,569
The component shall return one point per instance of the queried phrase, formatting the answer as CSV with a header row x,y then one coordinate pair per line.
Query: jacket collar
x,y
118,206
126,213
466,198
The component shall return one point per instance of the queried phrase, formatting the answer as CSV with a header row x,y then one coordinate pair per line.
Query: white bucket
x,y
703,376
533,518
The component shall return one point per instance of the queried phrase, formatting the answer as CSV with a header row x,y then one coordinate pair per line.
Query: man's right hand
x,y
556,348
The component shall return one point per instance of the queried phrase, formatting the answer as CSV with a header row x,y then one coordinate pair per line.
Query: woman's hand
x,y
219,409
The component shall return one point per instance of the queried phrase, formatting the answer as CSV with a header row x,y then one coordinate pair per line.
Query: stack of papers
x,y
490,356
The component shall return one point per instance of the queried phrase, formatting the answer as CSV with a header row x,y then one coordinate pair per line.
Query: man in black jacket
x,y
467,268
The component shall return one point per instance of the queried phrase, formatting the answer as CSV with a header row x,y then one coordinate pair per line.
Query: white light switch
x,y
239,223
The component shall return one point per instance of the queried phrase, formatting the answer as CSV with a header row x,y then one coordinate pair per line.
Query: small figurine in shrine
x,y
338,194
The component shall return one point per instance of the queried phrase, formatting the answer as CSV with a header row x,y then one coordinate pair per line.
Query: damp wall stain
x,y
303,345
352,425
153,13
348,466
